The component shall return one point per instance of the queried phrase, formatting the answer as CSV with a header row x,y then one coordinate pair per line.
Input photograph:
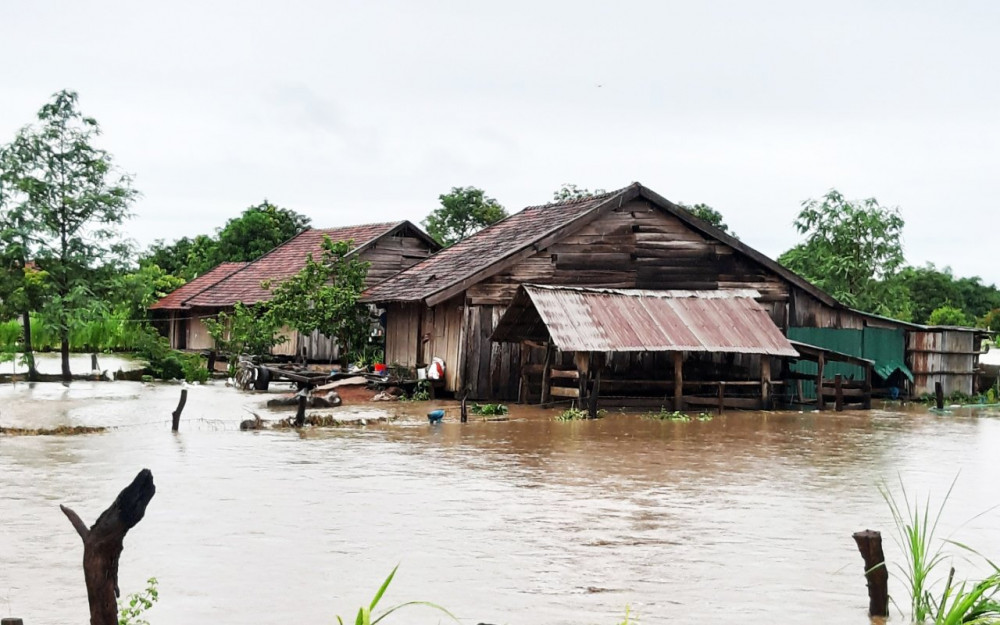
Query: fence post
x,y
180,408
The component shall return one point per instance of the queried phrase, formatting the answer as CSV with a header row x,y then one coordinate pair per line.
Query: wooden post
x,y
870,545
596,363
678,381
583,362
177,411
465,410
522,387
798,390
211,361
838,392
102,545
11,621
722,398
300,412
820,402
938,396
93,363
868,387
547,373
765,382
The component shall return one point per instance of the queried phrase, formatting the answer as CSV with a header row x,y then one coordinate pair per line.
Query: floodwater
x,y
746,518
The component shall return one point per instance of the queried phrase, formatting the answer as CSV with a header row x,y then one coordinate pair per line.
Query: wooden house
x,y
449,305
388,248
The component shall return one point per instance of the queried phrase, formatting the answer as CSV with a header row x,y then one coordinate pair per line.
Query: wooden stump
x,y
870,545
102,545
176,421
938,396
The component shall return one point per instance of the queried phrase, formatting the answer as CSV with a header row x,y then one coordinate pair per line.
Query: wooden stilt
x,y
820,402
938,396
765,383
300,412
522,386
596,365
838,392
722,398
868,387
547,373
678,381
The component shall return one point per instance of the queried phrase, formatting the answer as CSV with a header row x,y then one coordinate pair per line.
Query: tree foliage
x,y
853,250
570,192
949,316
68,207
325,295
256,231
463,211
708,214
250,330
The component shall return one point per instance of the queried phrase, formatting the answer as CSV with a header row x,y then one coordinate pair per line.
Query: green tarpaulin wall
x,y
886,347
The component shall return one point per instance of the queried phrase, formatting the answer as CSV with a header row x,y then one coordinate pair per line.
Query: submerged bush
x,y
489,409
676,415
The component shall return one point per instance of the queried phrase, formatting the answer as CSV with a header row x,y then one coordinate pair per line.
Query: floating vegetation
x,y
62,430
328,421
676,415
577,414
489,409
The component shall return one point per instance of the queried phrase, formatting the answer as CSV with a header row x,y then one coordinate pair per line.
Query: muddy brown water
x,y
746,518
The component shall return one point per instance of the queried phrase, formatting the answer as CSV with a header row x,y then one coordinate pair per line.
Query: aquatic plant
x,y
676,415
489,409
62,430
916,528
365,616
578,414
131,609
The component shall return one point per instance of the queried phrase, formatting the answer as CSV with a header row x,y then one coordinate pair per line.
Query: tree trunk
x,y
64,352
29,352
102,545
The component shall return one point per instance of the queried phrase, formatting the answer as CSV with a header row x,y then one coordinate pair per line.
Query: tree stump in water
x,y
870,545
102,545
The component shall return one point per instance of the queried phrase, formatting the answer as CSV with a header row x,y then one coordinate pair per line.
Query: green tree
x,y
325,295
708,214
258,230
75,201
991,320
22,286
250,330
948,316
853,250
569,192
463,211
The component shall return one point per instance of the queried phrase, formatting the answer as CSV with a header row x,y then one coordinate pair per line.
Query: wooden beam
x,y
563,391
820,362
678,381
547,374
765,382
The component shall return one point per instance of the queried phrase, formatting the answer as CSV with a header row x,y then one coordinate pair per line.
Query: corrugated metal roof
x,y
617,320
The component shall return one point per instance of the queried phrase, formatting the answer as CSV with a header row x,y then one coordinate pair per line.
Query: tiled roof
x,y
176,298
281,263
484,248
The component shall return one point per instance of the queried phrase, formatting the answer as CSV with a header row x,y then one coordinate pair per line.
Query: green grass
x,y
916,525
367,616
489,409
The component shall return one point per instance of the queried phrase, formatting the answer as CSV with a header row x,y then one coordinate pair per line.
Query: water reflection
x,y
747,517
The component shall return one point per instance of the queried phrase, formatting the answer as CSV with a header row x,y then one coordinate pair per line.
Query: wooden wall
x,y
634,247
391,255
402,334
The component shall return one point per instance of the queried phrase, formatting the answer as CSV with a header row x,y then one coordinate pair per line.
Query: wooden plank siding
x,y
635,247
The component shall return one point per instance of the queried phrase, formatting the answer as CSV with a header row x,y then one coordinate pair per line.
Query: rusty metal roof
x,y
618,320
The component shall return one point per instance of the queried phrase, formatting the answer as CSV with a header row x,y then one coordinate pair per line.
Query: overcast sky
x,y
366,111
